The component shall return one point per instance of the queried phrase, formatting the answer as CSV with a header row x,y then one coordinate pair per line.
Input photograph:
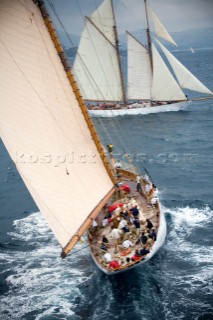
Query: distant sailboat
x,y
46,129
150,85
192,50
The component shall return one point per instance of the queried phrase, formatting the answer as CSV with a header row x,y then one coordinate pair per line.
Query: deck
x,y
114,247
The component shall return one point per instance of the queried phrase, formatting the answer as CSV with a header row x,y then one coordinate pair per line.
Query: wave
x,y
41,284
189,240
40,279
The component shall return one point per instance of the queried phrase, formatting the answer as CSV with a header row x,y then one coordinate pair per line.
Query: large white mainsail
x,y
164,86
139,70
185,78
96,64
42,125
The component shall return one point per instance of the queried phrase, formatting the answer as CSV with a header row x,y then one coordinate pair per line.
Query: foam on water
x,y
191,257
43,285
40,281
188,223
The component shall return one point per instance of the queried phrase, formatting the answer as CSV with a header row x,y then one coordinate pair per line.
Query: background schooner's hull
x,y
140,110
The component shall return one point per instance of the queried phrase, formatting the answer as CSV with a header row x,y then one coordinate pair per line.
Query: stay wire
x,y
78,250
120,135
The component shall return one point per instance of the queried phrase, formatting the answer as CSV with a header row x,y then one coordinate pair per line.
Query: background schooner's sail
x,y
96,64
149,80
139,70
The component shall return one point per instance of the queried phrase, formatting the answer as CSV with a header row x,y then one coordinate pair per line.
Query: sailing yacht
x,y
150,85
192,50
45,126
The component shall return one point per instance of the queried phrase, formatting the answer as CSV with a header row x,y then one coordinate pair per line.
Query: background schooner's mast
x,y
148,33
118,55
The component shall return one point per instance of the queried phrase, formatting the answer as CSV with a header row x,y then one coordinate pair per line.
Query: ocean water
x,y
177,151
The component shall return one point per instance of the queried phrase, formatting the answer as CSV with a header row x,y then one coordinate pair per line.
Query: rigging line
x,y
138,167
37,93
125,138
121,138
59,20
62,85
73,111
104,128
130,143
109,130
76,251
92,196
100,62
94,85
100,65
82,180
108,44
100,121
141,163
89,76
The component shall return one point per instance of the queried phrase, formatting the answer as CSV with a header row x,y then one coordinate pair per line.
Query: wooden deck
x,y
115,249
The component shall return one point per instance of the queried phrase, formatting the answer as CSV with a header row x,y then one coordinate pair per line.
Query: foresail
x,y
42,125
96,64
139,70
160,29
103,19
185,78
164,86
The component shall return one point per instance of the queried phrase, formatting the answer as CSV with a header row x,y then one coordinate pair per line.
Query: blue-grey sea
x,y
176,148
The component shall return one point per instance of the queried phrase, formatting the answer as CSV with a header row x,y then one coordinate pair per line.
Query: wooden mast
x,y
84,227
118,55
74,85
89,122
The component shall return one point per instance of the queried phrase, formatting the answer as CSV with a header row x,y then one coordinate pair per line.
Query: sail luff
x,y
75,88
185,78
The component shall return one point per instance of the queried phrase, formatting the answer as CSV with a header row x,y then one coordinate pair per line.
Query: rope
x,y
121,136
76,251
92,81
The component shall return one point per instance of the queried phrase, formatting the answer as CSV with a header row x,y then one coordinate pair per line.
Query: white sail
x,y
96,64
185,78
164,86
139,70
192,50
42,125
160,29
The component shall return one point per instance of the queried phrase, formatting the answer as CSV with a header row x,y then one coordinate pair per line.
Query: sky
x,y
176,15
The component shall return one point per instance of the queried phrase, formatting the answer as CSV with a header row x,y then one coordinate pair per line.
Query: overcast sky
x,y
176,15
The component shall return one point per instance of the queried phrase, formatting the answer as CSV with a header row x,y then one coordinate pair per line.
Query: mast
x,y
75,88
94,213
118,54
148,34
